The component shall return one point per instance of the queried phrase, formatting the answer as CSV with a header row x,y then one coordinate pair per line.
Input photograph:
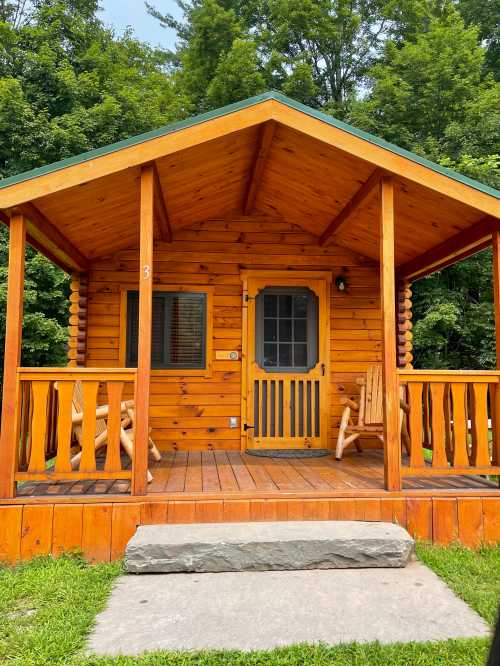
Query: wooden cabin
x,y
234,276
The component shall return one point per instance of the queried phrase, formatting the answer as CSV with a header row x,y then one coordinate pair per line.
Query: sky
x,y
123,13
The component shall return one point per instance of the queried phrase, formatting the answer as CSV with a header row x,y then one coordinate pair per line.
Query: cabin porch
x,y
237,474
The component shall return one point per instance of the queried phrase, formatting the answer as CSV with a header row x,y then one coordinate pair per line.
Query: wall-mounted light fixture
x,y
340,283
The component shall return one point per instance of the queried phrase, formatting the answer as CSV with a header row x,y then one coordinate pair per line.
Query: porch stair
x,y
267,546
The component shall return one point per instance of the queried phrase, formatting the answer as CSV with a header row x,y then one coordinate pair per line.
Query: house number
x,y
147,272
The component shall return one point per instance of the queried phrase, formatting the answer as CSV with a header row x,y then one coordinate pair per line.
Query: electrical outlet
x,y
233,421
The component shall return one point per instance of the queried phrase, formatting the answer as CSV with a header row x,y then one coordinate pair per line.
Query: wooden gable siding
x,y
192,412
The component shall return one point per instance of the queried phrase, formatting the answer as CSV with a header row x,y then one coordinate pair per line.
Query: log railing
x,y
50,431
453,420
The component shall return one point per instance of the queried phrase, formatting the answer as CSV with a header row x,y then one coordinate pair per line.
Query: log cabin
x,y
234,276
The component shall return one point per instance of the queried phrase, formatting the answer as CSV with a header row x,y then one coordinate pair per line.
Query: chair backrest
x,y
372,395
100,424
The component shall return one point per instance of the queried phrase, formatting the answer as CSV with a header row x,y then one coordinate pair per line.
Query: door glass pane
x,y
300,330
300,306
285,356
285,309
270,330
300,355
270,355
285,330
270,305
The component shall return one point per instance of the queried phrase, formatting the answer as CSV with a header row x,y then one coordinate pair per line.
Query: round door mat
x,y
289,453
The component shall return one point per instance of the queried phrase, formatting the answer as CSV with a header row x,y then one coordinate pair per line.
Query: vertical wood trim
x,y
496,294
392,448
12,353
141,435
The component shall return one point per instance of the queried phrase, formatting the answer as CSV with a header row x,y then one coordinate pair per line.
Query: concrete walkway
x,y
263,610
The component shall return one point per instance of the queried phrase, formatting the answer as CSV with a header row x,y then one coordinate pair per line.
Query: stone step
x,y
260,546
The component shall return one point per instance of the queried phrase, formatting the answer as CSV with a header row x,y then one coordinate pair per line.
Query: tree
x,y
67,85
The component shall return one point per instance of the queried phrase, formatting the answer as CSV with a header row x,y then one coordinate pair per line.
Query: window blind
x,y
178,330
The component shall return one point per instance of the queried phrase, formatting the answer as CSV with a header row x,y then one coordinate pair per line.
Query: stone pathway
x,y
263,610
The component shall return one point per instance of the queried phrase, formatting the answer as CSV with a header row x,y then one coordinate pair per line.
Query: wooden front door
x,y
286,350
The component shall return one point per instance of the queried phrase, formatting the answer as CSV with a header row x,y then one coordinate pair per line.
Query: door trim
x,y
287,278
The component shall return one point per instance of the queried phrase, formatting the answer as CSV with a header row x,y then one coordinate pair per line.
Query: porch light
x,y
340,282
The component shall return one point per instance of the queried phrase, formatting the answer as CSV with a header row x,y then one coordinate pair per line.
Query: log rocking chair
x,y
101,430
369,414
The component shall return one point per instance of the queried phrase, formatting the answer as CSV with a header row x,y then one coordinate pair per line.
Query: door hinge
x,y
246,427
249,298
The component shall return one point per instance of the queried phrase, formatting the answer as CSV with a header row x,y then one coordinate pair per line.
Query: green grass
x,y
47,607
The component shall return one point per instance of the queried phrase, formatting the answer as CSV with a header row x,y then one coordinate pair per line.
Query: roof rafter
x,y
161,212
51,240
259,162
350,208
5,219
460,246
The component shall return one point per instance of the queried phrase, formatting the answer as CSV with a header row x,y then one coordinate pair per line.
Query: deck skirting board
x,y
101,529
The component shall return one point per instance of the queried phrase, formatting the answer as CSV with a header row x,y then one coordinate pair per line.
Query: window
x,y
179,330
286,329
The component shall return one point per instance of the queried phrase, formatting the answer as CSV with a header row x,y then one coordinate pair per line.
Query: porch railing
x,y
48,423
454,422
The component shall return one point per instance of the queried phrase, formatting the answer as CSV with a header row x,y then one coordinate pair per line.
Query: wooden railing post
x,y
12,358
496,295
392,445
141,435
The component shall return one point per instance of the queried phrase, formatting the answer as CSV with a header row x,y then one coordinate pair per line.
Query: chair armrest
x,y
102,411
347,402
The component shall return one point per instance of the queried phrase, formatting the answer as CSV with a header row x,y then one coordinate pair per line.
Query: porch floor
x,y
232,471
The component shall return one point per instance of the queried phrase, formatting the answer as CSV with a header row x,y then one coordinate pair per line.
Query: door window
x,y
286,329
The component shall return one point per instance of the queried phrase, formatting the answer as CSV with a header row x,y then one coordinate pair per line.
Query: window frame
x,y
312,328
172,372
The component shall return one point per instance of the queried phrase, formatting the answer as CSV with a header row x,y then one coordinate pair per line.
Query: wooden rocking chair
x,y
369,414
101,431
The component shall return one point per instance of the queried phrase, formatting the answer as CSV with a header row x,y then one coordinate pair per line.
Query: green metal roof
x,y
237,106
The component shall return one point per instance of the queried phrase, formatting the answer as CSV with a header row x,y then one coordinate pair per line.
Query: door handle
x,y
323,369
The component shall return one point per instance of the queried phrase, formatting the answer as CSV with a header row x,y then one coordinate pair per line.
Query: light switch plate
x,y
233,421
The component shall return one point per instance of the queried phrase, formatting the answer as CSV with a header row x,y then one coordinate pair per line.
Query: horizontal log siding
x,y
193,412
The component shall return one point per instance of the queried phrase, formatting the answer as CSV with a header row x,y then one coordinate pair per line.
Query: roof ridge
x,y
236,106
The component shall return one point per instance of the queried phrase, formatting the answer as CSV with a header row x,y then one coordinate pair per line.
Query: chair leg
x,y
344,422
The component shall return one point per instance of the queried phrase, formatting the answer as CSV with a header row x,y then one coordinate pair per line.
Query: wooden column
x,y
12,359
495,239
141,435
392,446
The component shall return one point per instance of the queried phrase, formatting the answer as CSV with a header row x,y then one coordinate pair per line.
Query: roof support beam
x,y
458,247
56,260
265,140
50,241
350,208
160,208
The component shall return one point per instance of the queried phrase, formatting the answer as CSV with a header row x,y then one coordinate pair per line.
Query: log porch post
x,y
12,359
141,435
495,238
392,446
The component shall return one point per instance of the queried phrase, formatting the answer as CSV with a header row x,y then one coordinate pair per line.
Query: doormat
x,y
289,453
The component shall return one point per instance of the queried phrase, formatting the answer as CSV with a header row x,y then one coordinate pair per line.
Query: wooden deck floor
x,y
213,472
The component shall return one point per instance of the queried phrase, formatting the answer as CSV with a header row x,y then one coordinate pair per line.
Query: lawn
x,y
47,607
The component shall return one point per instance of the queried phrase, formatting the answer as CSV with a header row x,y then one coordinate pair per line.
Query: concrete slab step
x,y
262,546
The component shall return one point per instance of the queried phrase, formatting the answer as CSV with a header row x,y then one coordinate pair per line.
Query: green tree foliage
x,y
68,85
422,73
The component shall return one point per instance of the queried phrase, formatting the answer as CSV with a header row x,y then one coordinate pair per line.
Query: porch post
x,y
392,447
495,238
12,359
141,435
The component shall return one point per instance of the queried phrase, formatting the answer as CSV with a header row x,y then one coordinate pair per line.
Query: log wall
x,y
192,412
